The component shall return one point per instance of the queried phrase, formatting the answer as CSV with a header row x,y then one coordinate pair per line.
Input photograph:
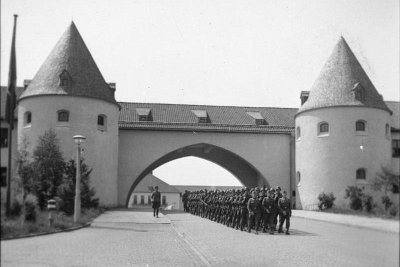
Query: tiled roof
x,y
150,181
394,106
71,55
222,118
338,80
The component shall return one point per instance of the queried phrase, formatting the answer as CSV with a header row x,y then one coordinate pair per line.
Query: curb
x,y
349,224
48,233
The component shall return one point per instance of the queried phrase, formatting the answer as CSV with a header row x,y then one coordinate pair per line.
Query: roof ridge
x,y
199,105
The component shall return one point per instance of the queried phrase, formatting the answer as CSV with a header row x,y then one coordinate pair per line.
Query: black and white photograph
x,y
200,133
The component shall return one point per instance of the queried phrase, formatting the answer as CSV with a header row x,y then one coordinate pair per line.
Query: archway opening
x,y
242,170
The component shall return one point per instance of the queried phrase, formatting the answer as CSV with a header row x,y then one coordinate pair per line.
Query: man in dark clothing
x,y
269,208
254,208
243,209
285,211
185,201
156,201
277,196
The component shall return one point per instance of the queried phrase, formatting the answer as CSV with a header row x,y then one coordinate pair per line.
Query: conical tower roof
x,y
70,70
343,82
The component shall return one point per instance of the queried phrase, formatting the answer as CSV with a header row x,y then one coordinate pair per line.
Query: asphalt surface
x,y
127,238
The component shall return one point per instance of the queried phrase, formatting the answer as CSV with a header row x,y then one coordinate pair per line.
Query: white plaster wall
x,y
268,153
100,148
329,163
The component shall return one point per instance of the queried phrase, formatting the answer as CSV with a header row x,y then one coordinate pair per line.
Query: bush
x,y
30,208
387,202
394,210
325,200
355,195
16,208
368,202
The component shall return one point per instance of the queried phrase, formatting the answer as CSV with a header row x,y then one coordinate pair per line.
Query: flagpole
x,y
11,107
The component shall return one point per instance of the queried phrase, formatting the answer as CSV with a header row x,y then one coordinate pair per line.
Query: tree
x,y
66,191
25,169
48,167
355,195
384,181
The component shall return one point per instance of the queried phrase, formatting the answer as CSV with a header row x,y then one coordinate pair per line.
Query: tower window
x,y
387,131
298,132
102,122
63,115
396,148
360,126
361,174
298,178
323,128
27,118
359,92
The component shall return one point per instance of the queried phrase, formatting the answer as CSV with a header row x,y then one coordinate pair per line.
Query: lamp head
x,y
79,139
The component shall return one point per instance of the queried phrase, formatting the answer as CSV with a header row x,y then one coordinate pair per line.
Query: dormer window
x,y
304,96
144,114
359,92
63,115
202,116
258,118
65,79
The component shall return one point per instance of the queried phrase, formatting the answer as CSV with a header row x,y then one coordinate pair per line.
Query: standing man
x,y
285,211
156,201
277,196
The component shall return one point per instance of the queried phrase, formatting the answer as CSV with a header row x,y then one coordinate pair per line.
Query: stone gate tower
x,y
342,130
70,95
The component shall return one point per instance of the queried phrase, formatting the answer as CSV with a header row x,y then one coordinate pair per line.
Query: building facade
x,y
342,134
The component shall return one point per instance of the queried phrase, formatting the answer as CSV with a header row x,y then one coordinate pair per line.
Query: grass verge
x,y
17,226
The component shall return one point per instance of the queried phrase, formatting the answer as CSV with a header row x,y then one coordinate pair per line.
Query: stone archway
x,y
246,173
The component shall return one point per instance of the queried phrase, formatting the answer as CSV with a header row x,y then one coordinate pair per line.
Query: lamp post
x,y
77,207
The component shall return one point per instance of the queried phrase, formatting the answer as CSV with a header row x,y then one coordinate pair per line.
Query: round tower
x,y
342,131
70,96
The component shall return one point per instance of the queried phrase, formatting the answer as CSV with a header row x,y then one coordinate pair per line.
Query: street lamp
x,y
77,207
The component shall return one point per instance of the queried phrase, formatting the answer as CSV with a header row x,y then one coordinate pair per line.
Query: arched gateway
x,y
237,166
256,153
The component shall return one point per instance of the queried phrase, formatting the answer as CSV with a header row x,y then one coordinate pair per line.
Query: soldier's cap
x,y
272,190
278,188
284,192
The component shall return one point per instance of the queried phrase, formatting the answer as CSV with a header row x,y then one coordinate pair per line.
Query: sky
x,y
214,52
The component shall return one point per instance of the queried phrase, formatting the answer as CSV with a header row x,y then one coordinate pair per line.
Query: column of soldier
x,y
253,208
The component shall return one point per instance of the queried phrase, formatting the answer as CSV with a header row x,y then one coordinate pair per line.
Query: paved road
x,y
126,238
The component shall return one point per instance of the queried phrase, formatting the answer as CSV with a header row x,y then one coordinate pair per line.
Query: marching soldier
x,y
254,209
269,207
277,196
285,211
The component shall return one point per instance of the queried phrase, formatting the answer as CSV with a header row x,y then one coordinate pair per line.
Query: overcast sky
x,y
245,53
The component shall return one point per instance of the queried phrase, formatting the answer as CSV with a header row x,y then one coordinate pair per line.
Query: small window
x,y
4,137
396,148
293,193
3,176
298,132
102,122
361,174
62,116
323,128
298,178
360,126
27,118
142,200
164,200
135,200
387,131
65,79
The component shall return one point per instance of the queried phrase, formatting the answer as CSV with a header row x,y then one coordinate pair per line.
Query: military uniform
x,y
254,209
269,208
285,211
